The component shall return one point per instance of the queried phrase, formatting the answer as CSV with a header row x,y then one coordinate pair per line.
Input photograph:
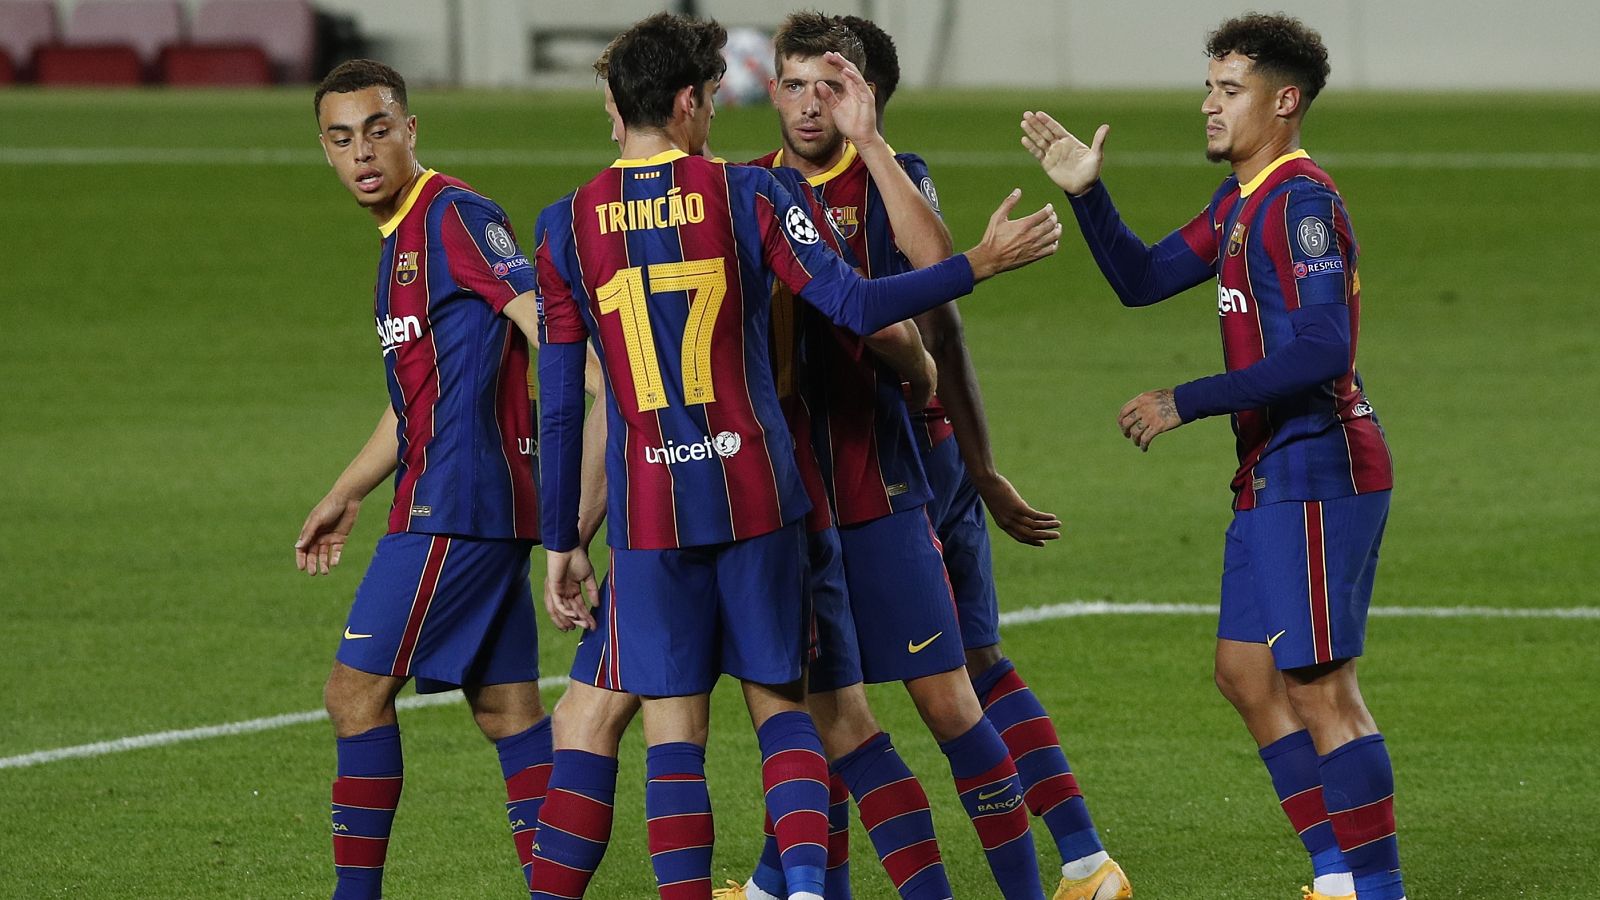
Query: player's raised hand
x,y
570,590
1073,165
1015,517
1148,415
322,537
1013,243
854,110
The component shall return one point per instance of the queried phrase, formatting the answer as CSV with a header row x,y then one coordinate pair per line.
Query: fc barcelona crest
x,y
405,267
845,220
1236,240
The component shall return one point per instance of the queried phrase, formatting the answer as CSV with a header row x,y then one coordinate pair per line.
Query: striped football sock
x,y
1049,787
365,795
837,881
525,760
894,810
677,809
1358,786
768,876
794,774
1292,763
991,791
574,824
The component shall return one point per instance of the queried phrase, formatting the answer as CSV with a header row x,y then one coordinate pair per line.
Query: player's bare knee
x,y
982,659
357,701
946,703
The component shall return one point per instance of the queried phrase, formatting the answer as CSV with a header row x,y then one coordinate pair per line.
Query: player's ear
x,y
772,89
323,140
1288,101
411,132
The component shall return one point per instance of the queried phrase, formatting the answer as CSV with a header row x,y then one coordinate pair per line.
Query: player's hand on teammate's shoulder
x,y
1013,243
1015,517
1148,415
323,535
855,112
570,590
1073,165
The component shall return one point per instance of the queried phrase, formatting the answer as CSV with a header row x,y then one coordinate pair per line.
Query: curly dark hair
x,y
883,60
359,74
809,34
649,63
1282,47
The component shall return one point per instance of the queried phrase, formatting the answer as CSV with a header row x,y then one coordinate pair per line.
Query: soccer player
x,y
665,261
964,482
446,597
899,594
1311,494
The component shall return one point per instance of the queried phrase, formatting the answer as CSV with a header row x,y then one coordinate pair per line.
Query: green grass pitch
x,y
189,362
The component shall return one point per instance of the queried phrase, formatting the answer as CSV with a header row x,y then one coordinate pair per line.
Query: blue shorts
x,y
963,528
671,621
837,663
1297,576
447,610
900,597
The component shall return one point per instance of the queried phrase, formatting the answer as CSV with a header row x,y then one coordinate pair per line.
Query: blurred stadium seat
x,y
145,25
8,72
198,65
104,64
285,29
25,26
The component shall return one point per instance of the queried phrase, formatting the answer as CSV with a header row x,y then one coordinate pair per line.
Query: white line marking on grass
x,y
268,723
955,159
1049,612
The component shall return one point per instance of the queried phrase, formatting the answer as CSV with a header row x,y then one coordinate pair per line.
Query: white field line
x,y
954,159
1049,612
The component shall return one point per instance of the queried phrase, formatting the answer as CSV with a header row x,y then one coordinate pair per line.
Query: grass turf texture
x,y
191,363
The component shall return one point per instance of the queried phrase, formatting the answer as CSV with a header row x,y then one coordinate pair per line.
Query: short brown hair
x,y
883,60
1281,46
358,74
809,34
649,63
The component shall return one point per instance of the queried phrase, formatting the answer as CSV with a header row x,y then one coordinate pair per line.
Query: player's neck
x,y
385,211
643,143
1247,169
807,167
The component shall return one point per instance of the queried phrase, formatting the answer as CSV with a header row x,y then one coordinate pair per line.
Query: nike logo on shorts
x,y
914,647
1274,639
352,636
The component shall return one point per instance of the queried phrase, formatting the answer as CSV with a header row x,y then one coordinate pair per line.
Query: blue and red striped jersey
x,y
1285,258
457,369
667,265
861,427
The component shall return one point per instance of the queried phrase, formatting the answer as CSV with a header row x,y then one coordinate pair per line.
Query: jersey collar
x,y
389,227
1246,190
664,156
822,178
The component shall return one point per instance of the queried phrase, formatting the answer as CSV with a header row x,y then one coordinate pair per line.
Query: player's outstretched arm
x,y
1013,243
1073,165
322,537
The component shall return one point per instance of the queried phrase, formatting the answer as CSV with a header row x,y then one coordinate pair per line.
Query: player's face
x,y
1241,109
371,143
808,129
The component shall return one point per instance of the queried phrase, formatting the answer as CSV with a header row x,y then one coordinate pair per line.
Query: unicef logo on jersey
x,y
799,226
724,445
499,240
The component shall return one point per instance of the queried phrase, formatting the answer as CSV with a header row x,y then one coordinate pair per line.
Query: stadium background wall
x,y
1380,44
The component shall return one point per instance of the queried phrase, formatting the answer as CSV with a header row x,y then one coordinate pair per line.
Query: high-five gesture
x,y
853,108
1013,243
1073,165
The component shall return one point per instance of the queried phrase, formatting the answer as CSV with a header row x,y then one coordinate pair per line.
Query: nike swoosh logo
x,y
1274,639
913,647
352,636
983,796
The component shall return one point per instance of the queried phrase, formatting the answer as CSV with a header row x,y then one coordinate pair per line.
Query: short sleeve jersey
x,y
864,436
668,265
457,369
1278,243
